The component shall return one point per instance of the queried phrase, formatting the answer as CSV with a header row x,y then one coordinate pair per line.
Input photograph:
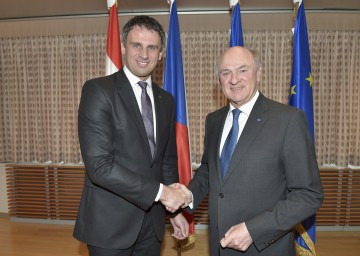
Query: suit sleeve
x,y
170,159
199,185
303,183
96,143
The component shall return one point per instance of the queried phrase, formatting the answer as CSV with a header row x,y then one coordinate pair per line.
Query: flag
x,y
113,50
175,84
236,38
301,97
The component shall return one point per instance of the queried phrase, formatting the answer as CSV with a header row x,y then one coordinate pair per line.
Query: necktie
x,y
229,144
147,115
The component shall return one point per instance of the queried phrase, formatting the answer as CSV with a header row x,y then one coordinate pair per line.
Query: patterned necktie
x,y
147,115
229,144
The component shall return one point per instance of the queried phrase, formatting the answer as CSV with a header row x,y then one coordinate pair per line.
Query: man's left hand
x,y
181,227
237,237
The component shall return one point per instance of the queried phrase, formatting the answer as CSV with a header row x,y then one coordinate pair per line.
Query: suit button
x,y
221,195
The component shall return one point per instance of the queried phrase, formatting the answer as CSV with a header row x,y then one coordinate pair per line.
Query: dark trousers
x,y
146,244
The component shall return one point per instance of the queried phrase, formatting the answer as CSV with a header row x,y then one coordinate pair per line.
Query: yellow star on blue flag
x,y
310,79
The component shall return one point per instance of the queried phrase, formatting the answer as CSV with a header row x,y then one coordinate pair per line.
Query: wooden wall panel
x,y
44,191
54,191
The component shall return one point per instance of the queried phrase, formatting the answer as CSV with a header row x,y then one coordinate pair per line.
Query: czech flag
x,y
174,83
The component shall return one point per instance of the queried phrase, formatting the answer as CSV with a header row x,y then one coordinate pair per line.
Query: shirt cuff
x,y
161,187
191,205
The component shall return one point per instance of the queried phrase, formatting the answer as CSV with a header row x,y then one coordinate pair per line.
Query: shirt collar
x,y
247,107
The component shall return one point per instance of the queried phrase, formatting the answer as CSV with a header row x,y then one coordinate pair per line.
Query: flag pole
x,y
296,7
179,248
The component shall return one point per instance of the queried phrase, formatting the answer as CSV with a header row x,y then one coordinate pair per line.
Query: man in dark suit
x,y
127,140
272,180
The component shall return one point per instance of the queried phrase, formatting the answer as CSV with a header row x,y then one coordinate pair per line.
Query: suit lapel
x,y
127,96
254,124
219,122
159,113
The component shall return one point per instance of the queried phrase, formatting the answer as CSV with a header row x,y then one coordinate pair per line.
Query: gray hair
x,y
254,53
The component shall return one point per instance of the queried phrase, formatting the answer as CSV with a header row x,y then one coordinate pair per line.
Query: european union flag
x,y
301,79
236,38
301,97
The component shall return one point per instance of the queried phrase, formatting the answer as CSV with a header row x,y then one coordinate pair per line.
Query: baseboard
x,y
42,221
337,228
4,215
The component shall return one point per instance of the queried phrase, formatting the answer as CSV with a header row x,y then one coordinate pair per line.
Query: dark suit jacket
x,y
272,182
122,180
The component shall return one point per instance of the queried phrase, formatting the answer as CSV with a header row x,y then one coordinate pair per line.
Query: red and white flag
x,y
113,49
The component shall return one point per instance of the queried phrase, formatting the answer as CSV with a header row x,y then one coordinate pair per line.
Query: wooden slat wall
x,y
44,191
53,192
341,206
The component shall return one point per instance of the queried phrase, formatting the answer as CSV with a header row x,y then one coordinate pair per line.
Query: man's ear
x,y
258,74
160,54
122,48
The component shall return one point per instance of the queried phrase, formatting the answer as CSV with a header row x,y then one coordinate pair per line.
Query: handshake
x,y
175,196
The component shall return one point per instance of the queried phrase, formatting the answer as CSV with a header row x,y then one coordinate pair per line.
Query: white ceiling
x,y
20,9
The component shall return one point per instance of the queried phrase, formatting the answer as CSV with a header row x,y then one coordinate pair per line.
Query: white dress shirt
x,y
137,91
244,115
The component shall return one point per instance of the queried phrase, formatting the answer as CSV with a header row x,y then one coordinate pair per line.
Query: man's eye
x,y
225,74
243,70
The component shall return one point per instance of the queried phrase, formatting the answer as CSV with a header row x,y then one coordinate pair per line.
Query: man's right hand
x,y
186,191
172,198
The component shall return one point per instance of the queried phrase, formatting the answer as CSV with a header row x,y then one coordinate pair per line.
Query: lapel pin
x,y
259,119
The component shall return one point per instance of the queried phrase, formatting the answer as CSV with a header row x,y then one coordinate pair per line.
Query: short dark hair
x,y
143,21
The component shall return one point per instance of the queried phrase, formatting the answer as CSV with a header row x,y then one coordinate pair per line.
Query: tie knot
x,y
142,84
236,112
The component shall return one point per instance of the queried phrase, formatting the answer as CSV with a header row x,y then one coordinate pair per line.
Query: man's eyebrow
x,y
134,42
153,45
239,67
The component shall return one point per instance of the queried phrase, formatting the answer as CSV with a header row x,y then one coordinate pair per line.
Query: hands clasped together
x,y
175,196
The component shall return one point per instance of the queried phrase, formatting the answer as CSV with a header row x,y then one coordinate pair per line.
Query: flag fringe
x,y
309,242
189,241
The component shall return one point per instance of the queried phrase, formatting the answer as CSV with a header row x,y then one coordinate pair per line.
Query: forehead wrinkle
x,y
238,67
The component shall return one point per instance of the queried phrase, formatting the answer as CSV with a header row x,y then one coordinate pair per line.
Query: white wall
x,y
3,193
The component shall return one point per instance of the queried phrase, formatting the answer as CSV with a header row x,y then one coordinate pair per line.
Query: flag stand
x,y
179,248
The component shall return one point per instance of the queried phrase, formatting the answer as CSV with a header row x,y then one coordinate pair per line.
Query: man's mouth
x,y
237,88
142,64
